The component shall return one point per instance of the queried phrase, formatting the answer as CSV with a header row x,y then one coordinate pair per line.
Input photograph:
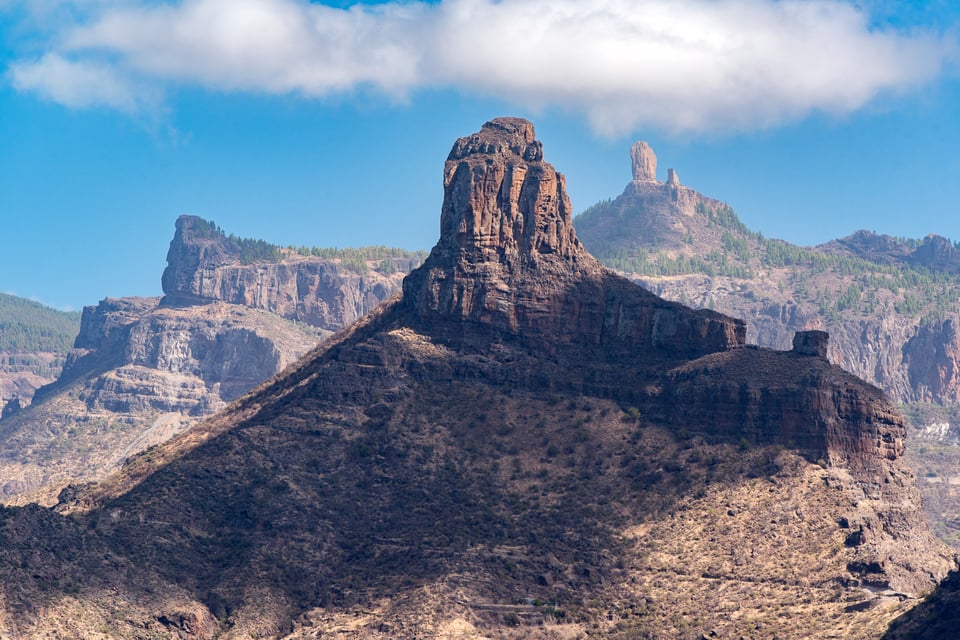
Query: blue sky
x,y
328,123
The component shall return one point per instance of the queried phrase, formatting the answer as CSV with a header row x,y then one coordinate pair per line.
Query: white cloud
x,y
77,84
687,65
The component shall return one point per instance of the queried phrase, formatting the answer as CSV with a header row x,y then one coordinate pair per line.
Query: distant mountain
x,y
523,445
235,312
889,304
34,341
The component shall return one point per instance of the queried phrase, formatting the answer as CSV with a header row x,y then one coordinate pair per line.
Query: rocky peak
x,y
672,179
502,202
508,258
204,265
644,162
197,245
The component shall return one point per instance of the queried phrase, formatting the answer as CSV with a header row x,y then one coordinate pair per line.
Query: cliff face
x,y
204,265
235,312
521,428
509,259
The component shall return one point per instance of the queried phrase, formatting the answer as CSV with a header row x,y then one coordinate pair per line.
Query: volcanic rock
x,y
509,260
811,343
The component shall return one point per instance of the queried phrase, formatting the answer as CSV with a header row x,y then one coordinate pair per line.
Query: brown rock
x,y
520,411
811,343
508,258
644,162
672,179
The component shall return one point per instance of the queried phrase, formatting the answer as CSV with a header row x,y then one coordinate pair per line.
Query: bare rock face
x,y
644,162
139,373
938,254
932,360
811,343
204,265
509,258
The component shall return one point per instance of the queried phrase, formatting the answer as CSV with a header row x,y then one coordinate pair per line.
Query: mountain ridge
x,y
142,370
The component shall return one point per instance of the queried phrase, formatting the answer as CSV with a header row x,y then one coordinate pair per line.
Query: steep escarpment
x,y
524,445
205,265
509,260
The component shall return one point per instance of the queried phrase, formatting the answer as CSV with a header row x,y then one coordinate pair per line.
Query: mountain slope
x,y
235,312
34,341
522,445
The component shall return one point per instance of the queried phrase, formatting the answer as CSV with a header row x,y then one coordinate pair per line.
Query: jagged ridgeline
x,y
889,303
356,259
522,445
914,287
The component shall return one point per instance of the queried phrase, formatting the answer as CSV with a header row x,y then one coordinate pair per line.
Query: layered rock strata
x,y
204,265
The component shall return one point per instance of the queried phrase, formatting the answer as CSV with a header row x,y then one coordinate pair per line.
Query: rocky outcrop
x,y
509,259
644,162
671,213
937,254
140,373
811,343
235,313
204,265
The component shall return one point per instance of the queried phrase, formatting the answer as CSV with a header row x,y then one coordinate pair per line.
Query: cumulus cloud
x,y
682,65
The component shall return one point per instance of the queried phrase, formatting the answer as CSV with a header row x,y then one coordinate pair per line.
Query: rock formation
x,y
644,162
811,343
508,259
139,373
896,334
524,443
144,369
204,265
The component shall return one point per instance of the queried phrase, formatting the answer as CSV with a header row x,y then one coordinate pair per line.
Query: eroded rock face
x,y
508,258
204,265
938,254
644,162
932,360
